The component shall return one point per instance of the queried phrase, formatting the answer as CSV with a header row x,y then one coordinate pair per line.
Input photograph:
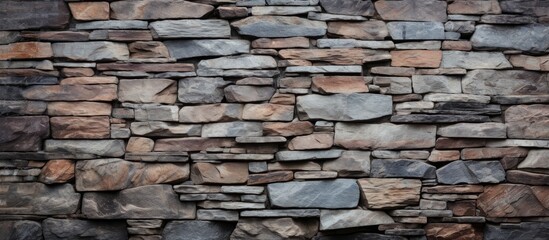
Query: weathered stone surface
x,y
514,200
340,219
349,7
57,171
313,141
352,43
294,213
292,42
38,198
91,51
148,49
86,11
24,229
474,60
416,30
182,49
239,93
270,177
438,118
527,121
279,26
112,24
117,174
158,9
225,173
139,144
361,235
443,97
25,50
217,215
283,10
507,19
307,155
268,112
491,82
335,56
527,7
416,58
403,168
523,177
104,148
410,10
350,164
34,14
80,127
232,129
155,128
65,229
471,172
201,90
393,136
339,84
148,67
209,28
150,202
232,12
447,231
436,83
523,230
325,69
339,193
154,112
528,38
367,30
488,153
295,128
343,107
274,228
536,63
537,160
474,130
200,230
381,193
22,107
474,7
23,133
239,62
220,112
191,144
147,90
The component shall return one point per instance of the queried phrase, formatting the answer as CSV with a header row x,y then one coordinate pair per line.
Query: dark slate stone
x,y
525,7
401,168
23,133
43,156
197,230
33,14
29,80
524,230
507,19
426,118
529,38
479,108
471,172
20,230
339,193
349,7
73,229
360,236
11,93
182,49
22,107
38,198
416,30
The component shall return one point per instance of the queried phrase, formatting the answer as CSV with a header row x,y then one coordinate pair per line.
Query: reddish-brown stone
x,y
26,50
463,208
90,10
416,58
271,177
148,50
80,127
454,189
367,30
530,178
288,129
452,231
57,36
294,42
191,144
224,173
150,67
88,80
129,35
79,109
339,84
455,143
77,72
312,141
491,153
71,93
457,45
232,12
474,7
140,144
57,171
341,56
514,200
444,156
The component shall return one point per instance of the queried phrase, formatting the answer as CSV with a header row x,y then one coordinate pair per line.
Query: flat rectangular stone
x,y
38,198
217,215
164,129
192,144
36,14
416,30
157,157
231,156
25,50
442,97
307,155
105,148
147,67
325,69
381,193
340,193
211,28
232,129
474,130
112,24
293,213
364,136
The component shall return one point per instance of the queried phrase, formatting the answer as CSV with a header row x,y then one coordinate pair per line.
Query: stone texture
x,y
163,9
34,14
80,229
57,171
201,90
307,155
335,56
536,63
220,112
105,148
393,136
458,231
509,82
292,42
232,129
91,51
474,130
268,112
340,193
86,11
526,230
340,219
80,127
150,202
402,168
313,141
156,128
436,83
117,174
380,193
25,50
236,93
529,38
343,107
513,200
350,164
191,144
274,228
295,128
195,229
409,10
367,30
38,198
349,7
416,58
147,91
209,28
182,49
279,26
24,229
471,172
536,160
474,60
527,121
338,84
23,133
239,62
416,30
225,173
270,177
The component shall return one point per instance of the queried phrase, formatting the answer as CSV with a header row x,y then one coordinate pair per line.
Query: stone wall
x,y
274,119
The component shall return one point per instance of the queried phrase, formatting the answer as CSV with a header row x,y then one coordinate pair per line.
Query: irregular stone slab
x,y
217,215
25,50
335,56
117,174
232,129
224,173
471,172
162,9
280,10
268,112
447,231
344,107
474,7
155,128
507,19
208,28
312,141
149,67
22,107
393,136
191,144
279,26
350,164
201,90
147,91
349,7
514,200
493,153
381,193
57,171
275,228
527,121
339,193
307,155
529,38
80,127
325,69
474,130
410,10
104,148
240,73
403,168
523,230
523,177
339,84
474,60
155,112
86,11
536,160
292,42
23,133
66,229
270,177
239,62
112,24
340,219
536,63
367,30
182,49
443,97
91,51
200,230
34,14
352,43
416,30
416,58
38,198
29,230
333,17
293,213
436,83
220,112
239,93
288,129
438,118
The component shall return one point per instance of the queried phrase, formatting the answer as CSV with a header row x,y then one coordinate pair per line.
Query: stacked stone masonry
x,y
274,119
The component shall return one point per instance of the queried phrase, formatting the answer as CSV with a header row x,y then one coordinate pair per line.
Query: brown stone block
x,y
80,127
26,50
271,177
416,58
224,173
90,10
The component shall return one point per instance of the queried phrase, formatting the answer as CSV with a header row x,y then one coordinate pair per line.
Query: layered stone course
x,y
274,119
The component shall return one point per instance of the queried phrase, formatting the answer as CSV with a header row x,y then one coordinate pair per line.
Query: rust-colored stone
x,y
474,7
25,50
455,143
224,173
490,153
339,84
79,109
88,80
80,127
89,10
463,208
444,156
140,144
416,58
146,67
380,193
271,177
71,93
57,171
514,200
293,42
288,129
452,231
342,56
312,141
367,30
